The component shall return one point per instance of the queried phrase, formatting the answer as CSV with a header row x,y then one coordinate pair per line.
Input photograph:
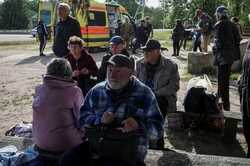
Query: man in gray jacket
x,y
161,75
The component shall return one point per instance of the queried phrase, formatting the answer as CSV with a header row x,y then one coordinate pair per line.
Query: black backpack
x,y
193,101
198,100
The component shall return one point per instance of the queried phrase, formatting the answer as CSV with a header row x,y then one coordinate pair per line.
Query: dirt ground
x,y
21,70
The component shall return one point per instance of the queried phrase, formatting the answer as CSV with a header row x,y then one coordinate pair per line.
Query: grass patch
x,y
234,76
164,37
186,77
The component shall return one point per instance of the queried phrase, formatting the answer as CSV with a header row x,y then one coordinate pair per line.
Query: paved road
x,y
28,37
15,37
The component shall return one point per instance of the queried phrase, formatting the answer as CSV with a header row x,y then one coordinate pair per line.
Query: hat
x,y
151,45
119,60
116,40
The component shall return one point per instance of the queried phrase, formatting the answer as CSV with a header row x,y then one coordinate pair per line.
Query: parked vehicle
x,y
33,32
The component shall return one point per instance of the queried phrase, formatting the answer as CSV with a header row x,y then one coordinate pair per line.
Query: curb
x,y
7,43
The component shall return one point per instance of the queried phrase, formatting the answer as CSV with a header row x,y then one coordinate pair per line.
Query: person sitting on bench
x,y
56,110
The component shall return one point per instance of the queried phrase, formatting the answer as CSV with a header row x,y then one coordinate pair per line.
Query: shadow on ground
x,y
175,159
43,59
204,142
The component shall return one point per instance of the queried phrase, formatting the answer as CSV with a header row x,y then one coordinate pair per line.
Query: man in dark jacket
x,y
149,28
42,35
142,33
245,96
226,43
177,36
117,46
66,27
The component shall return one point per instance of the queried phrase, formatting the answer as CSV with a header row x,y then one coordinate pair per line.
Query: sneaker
x,y
42,54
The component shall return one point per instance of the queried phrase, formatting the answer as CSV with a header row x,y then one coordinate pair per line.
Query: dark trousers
x,y
43,42
183,43
223,85
246,128
163,104
197,44
81,155
176,47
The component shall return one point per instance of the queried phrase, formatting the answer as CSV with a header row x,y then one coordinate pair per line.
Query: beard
x,y
117,85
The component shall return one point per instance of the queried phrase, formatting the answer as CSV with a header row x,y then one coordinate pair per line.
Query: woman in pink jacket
x,y
56,110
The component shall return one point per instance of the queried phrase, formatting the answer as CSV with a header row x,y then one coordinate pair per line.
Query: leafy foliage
x,y
16,14
185,9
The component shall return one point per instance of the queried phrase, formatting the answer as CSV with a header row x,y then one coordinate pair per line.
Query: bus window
x,y
97,18
45,15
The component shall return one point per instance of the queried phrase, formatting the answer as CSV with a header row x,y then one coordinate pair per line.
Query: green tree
x,y
31,7
14,15
157,15
185,9
130,5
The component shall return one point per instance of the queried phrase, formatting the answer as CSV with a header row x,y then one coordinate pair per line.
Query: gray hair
x,y
59,67
64,6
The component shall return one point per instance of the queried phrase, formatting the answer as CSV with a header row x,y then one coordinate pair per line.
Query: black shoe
x,y
42,54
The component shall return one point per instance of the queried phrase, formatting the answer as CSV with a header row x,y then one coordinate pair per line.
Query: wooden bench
x,y
231,122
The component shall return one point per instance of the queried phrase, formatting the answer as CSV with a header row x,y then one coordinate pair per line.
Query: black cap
x,y
119,60
152,45
116,40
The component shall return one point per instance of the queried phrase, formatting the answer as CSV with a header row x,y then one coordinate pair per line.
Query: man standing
x,y
245,96
149,28
177,36
122,99
161,75
226,43
127,32
117,46
142,33
65,28
205,27
42,35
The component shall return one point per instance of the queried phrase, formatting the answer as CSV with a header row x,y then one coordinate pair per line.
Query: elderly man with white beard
x,y
109,101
